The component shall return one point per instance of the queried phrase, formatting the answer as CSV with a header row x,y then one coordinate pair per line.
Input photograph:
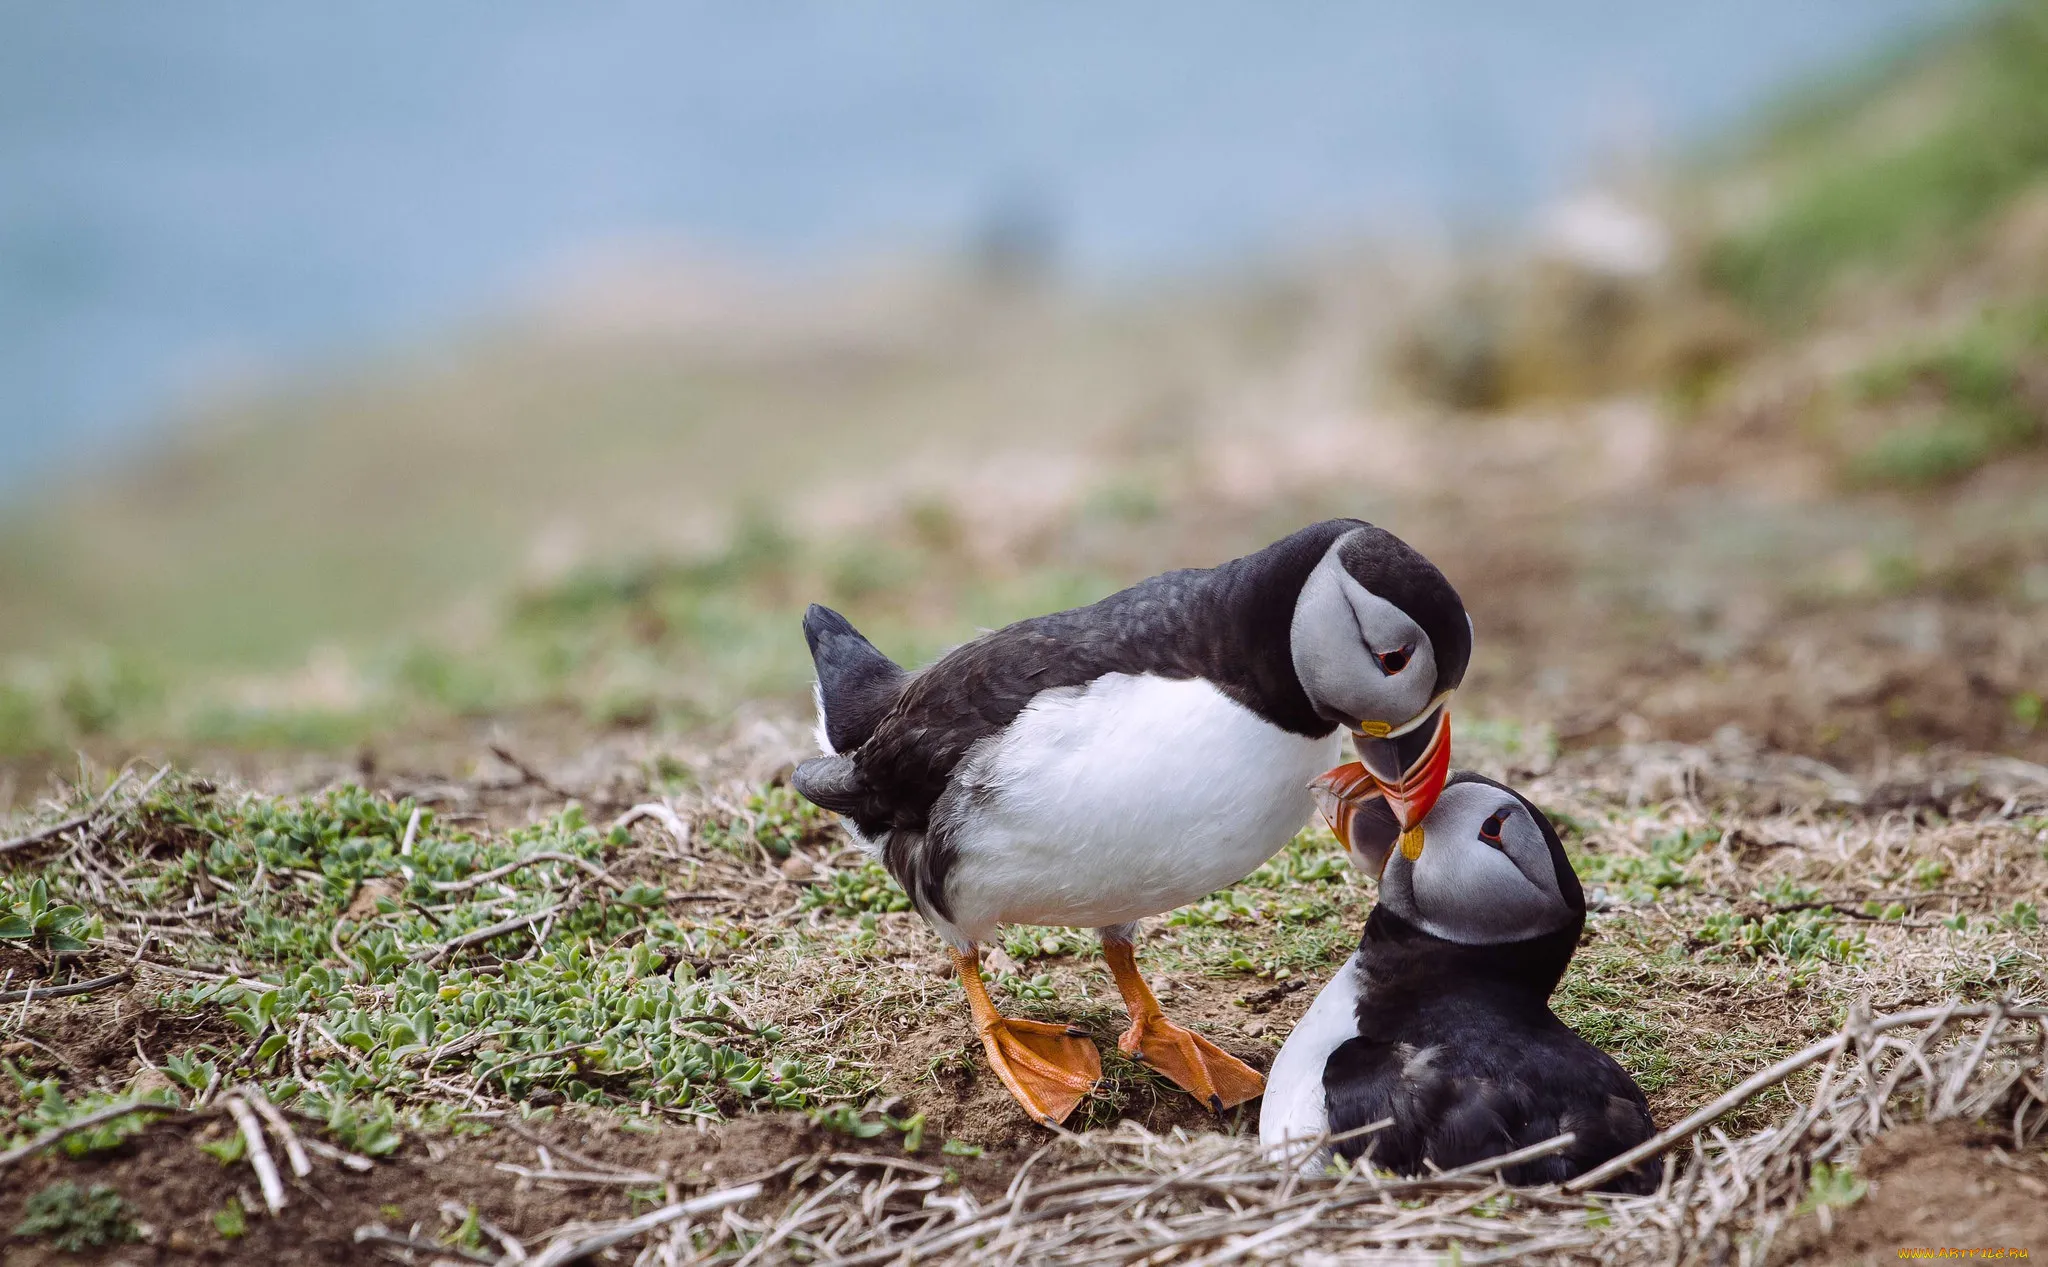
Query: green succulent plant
x,y
33,919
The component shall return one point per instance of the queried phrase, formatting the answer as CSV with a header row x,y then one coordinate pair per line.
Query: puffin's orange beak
x,y
1422,782
1343,795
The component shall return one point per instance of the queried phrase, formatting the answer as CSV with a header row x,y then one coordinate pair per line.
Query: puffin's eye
x,y
1489,831
1393,662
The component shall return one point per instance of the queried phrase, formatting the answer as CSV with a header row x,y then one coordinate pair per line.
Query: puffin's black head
x,y
1494,870
1380,640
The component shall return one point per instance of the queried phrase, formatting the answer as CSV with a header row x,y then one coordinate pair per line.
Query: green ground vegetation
x,y
369,963
73,1220
1903,165
677,642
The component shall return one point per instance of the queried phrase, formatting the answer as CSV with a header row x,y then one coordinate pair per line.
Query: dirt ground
x,y
1940,1186
1948,1186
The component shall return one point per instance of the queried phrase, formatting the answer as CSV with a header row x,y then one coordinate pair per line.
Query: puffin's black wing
x,y
1462,1094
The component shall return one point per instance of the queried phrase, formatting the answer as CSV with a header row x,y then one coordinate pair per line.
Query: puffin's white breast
x,y
1105,803
1294,1112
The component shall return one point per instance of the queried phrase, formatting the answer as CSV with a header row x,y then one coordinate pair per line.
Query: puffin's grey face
x,y
1367,661
1488,874
1362,660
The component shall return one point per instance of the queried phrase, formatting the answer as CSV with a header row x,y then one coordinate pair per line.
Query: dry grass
x,y
1131,1195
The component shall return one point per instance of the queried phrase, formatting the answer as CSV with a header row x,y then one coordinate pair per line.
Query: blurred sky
x,y
190,191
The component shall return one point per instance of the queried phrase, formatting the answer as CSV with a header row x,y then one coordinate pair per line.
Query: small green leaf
x,y
378,1138
913,1132
470,1234
1832,1186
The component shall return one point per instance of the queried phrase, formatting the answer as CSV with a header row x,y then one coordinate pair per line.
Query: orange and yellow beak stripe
x,y
1342,793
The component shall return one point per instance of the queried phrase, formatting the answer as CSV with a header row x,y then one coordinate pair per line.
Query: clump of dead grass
x,y
1131,1195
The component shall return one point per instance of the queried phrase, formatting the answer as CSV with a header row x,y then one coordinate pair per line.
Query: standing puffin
x,y
1092,767
1441,1021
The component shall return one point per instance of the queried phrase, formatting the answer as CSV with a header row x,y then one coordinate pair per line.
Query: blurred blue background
x,y
192,194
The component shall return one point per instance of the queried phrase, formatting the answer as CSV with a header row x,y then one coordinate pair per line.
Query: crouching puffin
x,y
1091,767
1441,1022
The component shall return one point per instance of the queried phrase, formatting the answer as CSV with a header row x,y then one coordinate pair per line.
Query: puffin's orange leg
x,y
1049,1068
1211,1074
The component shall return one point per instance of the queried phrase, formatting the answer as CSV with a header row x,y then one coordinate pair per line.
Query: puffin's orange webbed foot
x,y
1206,1071
1048,1068
1198,1066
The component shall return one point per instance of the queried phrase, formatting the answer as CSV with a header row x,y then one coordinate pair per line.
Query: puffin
x,y
1092,767
1440,1025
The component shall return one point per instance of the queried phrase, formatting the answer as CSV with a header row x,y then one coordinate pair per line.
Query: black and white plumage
x,y
1160,740
1092,767
1441,1021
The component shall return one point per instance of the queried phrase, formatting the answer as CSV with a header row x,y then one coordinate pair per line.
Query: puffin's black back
x,y
1228,624
1458,1045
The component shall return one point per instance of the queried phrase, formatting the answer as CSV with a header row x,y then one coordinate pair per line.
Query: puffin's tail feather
x,y
857,684
830,782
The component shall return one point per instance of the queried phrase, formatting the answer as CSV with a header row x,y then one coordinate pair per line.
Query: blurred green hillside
x,y
608,519
452,535
1896,172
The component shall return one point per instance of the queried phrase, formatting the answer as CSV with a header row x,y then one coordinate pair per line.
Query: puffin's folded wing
x,y
1471,1097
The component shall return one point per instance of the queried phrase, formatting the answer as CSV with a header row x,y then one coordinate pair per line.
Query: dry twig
x,y
435,954
596,872
529,774
294,1152
33,993
591,1240
660,813
259,1152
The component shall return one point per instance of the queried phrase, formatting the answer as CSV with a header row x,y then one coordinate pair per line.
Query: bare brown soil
x,y
1944,1186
